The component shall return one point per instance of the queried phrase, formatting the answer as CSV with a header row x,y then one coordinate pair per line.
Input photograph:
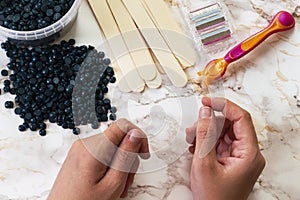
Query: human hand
x,y
102,166
227,160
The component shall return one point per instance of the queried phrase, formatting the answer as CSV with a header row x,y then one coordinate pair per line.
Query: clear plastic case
x,y
45,35
209,23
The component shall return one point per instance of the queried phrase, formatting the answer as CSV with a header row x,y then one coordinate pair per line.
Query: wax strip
x,y
172,33
134,41
117,45
156,42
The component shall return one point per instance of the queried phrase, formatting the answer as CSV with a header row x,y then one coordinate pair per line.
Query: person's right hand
x,y
227,160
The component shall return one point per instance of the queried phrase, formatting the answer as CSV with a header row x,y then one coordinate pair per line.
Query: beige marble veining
x,y
266,83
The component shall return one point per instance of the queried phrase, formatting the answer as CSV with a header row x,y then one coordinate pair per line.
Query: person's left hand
x,y
102,166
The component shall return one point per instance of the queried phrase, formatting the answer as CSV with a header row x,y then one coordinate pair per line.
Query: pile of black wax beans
x,y
28,15
62,83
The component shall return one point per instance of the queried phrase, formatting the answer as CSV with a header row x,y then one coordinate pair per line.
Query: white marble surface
x,y
265,82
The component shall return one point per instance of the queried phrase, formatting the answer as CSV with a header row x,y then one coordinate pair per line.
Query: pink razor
x,y
215,69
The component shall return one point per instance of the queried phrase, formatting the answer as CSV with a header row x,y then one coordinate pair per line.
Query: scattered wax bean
x,y
44,79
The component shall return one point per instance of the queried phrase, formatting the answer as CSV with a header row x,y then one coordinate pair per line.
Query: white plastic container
x,y
44,35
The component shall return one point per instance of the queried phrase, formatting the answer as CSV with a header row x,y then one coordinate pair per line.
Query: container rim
x,y
43,32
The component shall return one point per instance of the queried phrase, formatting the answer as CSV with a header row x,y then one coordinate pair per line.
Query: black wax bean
x,y
71,125
113,116
6,82
4,72
113,109
33,126
68,60
6,88
18,110
65,126
43,79
26,125
12,91
20,91
22,128
60,88
104,117
105,81
106,101
32,120
49,12
55,80
95,125
104,89
107,61
12,77
76,131
43,126
58,9
9,104
71,42
37,112
107,107
57,16
112,80
42,132
28,116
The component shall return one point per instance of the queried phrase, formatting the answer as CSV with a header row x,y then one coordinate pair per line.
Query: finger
x,y
124,159
124,126
206,136
223,125
130,178
101,149
192,149
190,134
123,162
243,128
223,148
103,146
115,133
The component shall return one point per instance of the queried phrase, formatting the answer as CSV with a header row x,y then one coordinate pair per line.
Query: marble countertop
x,y
266,83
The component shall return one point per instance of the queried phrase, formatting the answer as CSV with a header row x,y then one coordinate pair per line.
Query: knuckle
x,y
123,121
204,128
138,133
205,164
190,139
124,160
78,151
246,115
124,125
76,146
262,161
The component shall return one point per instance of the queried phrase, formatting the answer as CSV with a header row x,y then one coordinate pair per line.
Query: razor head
x,y
213,71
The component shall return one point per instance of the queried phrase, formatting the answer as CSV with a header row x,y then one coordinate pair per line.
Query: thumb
x,y
127,153
206,134
122,164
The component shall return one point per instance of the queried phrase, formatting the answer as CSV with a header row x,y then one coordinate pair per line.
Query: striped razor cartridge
x,y
210,22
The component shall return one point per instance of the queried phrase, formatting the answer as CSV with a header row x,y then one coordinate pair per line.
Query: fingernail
x,y
134,136
205,112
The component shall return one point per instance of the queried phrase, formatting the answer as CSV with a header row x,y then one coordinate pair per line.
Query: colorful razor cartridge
x,y
210,23
215,69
